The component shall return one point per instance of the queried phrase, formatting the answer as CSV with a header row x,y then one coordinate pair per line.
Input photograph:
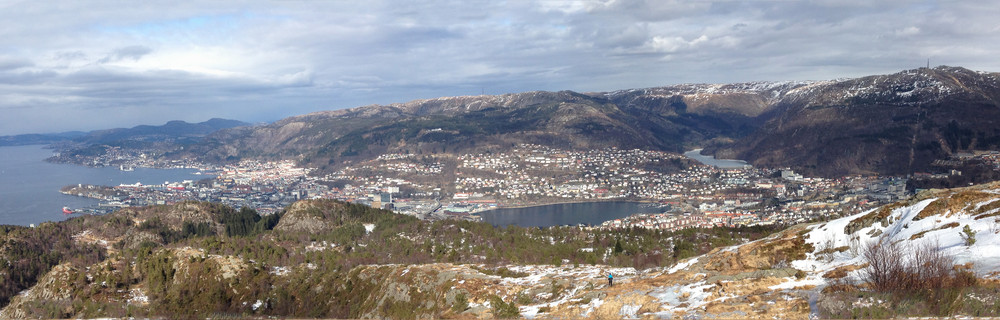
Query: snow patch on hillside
x,y
942,231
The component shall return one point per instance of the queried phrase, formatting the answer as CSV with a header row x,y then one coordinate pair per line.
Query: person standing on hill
x,y
611,280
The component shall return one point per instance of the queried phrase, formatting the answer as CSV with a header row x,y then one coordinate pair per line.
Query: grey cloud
x,y
25,78
276,59
131,52
70,55
13,63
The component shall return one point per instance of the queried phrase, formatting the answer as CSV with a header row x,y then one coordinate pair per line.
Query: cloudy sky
x,y
83,65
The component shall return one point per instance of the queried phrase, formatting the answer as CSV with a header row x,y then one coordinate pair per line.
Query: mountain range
x,y
887,124
894,124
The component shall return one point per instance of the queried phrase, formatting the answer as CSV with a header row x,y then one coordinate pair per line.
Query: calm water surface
x,y
591,213
29,186
712,161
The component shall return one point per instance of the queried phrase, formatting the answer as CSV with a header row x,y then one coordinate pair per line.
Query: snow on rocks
x,y
682,265
280,270
137,296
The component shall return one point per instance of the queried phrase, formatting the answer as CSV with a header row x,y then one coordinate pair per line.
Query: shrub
x,y
503,310
968,235
922,272
461,303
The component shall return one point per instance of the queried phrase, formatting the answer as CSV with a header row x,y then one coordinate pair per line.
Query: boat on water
x,y
67,210
126,168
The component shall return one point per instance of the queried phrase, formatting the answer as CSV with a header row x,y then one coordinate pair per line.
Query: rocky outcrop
x,y
312,216
53,289
174,216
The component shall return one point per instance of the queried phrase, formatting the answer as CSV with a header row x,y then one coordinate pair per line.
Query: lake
x,y
591,213
29,186
718,163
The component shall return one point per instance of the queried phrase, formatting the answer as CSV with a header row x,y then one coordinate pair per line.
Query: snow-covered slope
x,y
783,276
937,221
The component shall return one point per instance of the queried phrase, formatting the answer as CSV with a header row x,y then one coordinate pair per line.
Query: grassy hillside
x,y
315,259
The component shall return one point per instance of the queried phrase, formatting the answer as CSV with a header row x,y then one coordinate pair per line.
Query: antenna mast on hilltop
x,y
928,63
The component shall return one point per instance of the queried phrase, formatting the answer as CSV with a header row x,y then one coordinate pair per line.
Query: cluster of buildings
x,y
125,158
544,174
458,186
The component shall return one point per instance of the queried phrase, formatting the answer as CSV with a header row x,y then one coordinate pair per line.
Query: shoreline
x,y
697,153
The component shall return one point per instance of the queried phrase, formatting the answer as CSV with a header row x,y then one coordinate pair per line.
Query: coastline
x,y
711,160
698,151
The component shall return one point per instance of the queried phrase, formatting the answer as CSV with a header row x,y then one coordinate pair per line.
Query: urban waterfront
x,y
29,186
587,213
686,194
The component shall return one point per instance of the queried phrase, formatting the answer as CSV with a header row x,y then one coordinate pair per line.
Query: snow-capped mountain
x,y
889,124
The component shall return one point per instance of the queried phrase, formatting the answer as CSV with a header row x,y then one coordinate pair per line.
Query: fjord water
x,y
712,161
29,186
589,213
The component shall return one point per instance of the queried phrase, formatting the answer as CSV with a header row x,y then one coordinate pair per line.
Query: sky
x,y
85,65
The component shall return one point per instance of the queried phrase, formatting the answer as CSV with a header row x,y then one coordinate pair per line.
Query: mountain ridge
x,y
891,124
886,124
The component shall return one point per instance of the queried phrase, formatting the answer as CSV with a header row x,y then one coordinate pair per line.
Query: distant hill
x,y
39,138
171,130
172,135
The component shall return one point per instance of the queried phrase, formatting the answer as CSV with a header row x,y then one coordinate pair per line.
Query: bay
x,y
29,186
589,213
718,163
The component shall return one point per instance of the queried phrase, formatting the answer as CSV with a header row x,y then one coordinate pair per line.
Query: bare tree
x,y
893,267
884,264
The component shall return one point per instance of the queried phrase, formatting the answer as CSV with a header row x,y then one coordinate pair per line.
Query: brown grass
x,y
920,234
935,207
966,199
842,271
990,206
833,250
875,216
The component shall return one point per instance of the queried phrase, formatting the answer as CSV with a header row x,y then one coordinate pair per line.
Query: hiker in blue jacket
x,y
611,280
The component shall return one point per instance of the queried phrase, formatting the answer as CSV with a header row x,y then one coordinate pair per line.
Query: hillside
x,y
204,260
317,258
892,124
173,134
669,118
